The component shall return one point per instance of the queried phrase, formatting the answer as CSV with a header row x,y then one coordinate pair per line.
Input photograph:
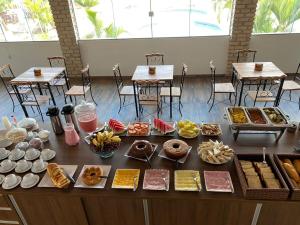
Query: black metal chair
x,y
6,75
219,88
81,90
176,91
155,59
123,90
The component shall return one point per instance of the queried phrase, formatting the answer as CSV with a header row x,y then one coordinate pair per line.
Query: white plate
x,y
162,154
14,157
37,154
5,187
80,184
5,155
46,180
154,146
35,181
49,157
14,164
1,178
34,170
29,165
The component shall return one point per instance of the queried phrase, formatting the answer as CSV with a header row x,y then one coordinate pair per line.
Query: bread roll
x,y
288,161
297,165
291,171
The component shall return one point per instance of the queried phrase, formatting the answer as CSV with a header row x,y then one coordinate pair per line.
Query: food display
x,y
126,179
175,149
141,149
218,181
156,179
116,126
57,176
139,129
188,129
162,126
292,168
92,175
238,115
187,180
215,152
210,129
256,116
259,175
274,115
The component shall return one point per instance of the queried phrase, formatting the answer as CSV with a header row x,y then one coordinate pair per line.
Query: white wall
x,y
23,55
283,49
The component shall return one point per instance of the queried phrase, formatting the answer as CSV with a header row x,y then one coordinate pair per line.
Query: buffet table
x,y
113,206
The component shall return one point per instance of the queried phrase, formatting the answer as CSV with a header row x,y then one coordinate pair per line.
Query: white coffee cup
x,y
44,135
39,164
22,164
6,164
16,152
28,179
10,180
2,151
31,153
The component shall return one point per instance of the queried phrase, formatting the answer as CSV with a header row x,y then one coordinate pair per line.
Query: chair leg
x,y
290,95
245,99
92,96
299,103
180,107
235,97
211,93
32,109
40,112
124,98
57,90
230,98
213,102
120,104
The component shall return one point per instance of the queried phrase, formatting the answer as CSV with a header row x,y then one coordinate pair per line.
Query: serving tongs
x,y
134,183
67,175
196,182
166,184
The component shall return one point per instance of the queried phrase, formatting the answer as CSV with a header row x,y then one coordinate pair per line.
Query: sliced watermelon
x,y
162,126
116,125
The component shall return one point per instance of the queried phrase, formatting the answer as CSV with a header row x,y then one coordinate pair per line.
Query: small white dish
x,y
30,180
23,166
39,166
22,145
1,178
32,154
4,153
4,143
16,154
11,181
7,165
47,154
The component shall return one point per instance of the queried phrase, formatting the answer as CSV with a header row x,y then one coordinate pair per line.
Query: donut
x,y
175,149
92,175
140,148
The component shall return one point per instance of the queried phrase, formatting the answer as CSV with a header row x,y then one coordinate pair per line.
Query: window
x,y
277,16
26,20
151,18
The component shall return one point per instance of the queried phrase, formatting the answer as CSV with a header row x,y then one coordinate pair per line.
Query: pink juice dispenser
x,y
86,116
71,136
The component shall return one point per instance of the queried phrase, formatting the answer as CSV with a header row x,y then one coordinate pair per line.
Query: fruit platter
x,y
209,129
104,143
161,127
188,129
116,126
139,129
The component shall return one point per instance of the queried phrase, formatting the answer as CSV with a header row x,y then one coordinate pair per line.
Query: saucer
x,y
5,187
36,155
4,143
1,178
35,181
7,153
34,170
47,154
15,157
29,165
2,170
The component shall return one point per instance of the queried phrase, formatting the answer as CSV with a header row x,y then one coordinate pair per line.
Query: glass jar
x,y
71,136
86,116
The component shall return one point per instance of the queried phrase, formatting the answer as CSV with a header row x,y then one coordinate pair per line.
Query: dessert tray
x,y
156,180
105,168
162,154
210,129
218,181
129,154
126,179
187,180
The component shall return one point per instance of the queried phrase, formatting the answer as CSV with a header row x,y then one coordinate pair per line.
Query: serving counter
x,y
76,206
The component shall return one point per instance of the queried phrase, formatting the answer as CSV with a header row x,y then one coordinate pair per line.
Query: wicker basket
x,y
262,193
295,192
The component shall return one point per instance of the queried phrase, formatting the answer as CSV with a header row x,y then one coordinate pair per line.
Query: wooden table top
x,y
246,71
48,74
81,155
163,72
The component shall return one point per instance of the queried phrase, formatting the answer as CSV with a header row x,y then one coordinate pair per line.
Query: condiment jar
x,y
86,116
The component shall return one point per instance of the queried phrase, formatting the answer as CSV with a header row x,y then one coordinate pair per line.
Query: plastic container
x,y
71,136
86,116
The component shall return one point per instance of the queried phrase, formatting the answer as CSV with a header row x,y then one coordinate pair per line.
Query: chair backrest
x,y
155,59
85,77
246,55
118,77
183,74
6,74
145,96
58,61
28,85
297,75
212,74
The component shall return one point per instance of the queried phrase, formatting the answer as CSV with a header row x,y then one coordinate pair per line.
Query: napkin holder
x,y
258,66
152,70
37,72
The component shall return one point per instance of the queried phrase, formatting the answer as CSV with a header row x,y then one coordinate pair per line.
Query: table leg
x,y
19,97
276,103
280,135
241,93
171,99
135,100
51,94
67,84
40,89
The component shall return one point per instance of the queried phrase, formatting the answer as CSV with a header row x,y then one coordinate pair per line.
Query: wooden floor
x,y
195,95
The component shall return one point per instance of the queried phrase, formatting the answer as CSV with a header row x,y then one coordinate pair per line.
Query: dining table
x,y
48,75
162,73
245,72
